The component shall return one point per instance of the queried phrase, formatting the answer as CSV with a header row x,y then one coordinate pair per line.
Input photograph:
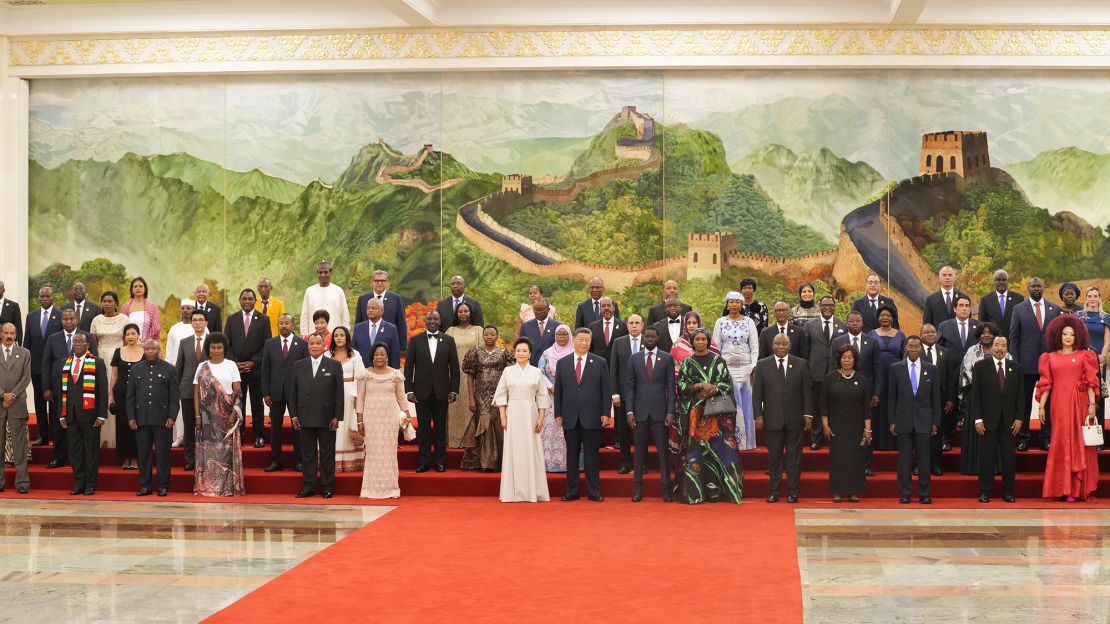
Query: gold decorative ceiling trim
x,y
713,45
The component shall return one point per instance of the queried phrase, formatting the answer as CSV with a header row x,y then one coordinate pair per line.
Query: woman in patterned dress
x,y
484,438
738,340
217,392
554,441
467,336
381,409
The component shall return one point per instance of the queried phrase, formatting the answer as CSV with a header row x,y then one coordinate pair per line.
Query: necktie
x,y
963,333
315,367
198,349
285,348
373,332
650,365
948,301
1037,311
636,346
782,367
77,309
69,343
76,369
1001,377
597,310
1002,302
246,323
266,307
873,306
45,319
828,332
543,324
855,343
782,330
578,370
929,355
607,333
7,353
457,302
913,377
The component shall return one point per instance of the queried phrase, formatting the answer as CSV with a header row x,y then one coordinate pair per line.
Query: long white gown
x,y
349,448
524,392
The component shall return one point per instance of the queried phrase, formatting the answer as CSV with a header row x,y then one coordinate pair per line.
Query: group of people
x,y
698,393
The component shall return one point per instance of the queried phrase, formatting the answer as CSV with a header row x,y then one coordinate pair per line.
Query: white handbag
x,y
1092,433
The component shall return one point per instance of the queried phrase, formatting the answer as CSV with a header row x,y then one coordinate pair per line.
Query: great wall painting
x,y
551,178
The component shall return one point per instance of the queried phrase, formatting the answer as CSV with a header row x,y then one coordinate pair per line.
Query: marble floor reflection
x,y
63,561
890,565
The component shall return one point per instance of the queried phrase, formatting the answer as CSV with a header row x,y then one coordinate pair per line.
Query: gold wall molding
x,y
523,48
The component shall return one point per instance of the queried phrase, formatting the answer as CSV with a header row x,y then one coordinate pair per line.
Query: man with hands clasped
x,y
783,404
649,403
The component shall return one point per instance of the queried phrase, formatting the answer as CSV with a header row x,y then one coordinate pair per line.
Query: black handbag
x,y
720,404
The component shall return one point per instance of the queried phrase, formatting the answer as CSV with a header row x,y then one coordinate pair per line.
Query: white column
x,y
13,183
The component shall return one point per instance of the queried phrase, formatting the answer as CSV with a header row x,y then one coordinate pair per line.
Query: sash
x,y
88,384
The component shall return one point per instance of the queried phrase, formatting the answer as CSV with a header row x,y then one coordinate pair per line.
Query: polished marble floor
x,y
891,565
63,561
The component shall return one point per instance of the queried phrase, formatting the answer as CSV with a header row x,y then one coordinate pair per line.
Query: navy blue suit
x,y
581,406
1026,345
277,376
531,330
871,318
948,336
34,340
649,399
387,335
914,416
394,312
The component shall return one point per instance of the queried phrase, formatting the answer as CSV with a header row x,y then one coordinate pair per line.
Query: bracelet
x,y
867,431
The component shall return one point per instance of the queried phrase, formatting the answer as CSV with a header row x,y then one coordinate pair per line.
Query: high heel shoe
x,y
1070,499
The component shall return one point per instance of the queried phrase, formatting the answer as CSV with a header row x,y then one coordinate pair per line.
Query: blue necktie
x,y
45,320
913,377
1002,302
69,343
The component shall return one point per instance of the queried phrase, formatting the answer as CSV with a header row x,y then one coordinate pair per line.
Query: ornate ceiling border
x,y
507,49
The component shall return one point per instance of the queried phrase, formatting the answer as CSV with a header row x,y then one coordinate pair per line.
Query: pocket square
x,y
327,374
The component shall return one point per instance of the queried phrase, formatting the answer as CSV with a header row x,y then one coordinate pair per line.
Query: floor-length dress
x,y
349,452
219,456
1072,468
484,438
711,470
458,413
847,405
970,441
890,349
126,445
108,331
738,341
524,392
552,436
381,401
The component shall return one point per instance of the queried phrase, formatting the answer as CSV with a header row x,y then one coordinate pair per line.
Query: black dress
x,y
126,447
847,404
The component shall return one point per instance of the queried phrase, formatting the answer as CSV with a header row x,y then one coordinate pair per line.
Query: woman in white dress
x,y
737,337
349,451
522,397
108,329
379,407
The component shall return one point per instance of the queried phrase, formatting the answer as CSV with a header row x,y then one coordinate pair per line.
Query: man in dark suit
x,y
211,310
316,409
86,310
869,304
817,338
939,306
995,406
446,306
658,312
621,350
670,326
1026,342
152,404
190,353
85,412
583,403
432,382
782,325
9,313
15,377
868,364
540,330
914,412
957,334
648,399
376,329
278,357
782,403
606,329
40,325
948,374
589,309
998,306
393,312
59,346
247,332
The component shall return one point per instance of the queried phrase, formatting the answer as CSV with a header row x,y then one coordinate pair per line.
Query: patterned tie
x,y
198,349
855,343
285,348
373,332
266,307
650,365
1001,377
1037,311
1002,302
543,324
578,370
77,309
913,377
873,306
948,300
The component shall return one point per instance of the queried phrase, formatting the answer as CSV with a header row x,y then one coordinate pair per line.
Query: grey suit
x,y
15,377
782,403
185,369
153,397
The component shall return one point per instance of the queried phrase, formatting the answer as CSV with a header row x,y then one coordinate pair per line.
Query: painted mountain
x,y
1068,179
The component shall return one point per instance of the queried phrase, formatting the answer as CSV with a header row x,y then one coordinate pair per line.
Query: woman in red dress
x,y
1069,384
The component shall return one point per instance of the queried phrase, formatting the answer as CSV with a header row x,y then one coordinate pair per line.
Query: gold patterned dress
x,y
381,401
458,413
108,331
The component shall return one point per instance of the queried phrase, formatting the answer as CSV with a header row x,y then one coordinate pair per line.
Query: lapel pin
x,y
925,373
855,383
790,366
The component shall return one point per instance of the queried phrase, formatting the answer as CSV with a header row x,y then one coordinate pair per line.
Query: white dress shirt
x,y
433,344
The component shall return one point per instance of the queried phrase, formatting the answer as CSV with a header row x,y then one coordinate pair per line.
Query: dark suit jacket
x,y
447,312
584,402
597,341
815,347
88,312
584,316
531,330
277,372
662,326
658,312
618,363
247,348
152,393
948,370
948,336
315,401
990,311
871,319
9,313
1026,338
914,413
54,356
427,378
186,365
649,398
997,407
212,313
394,306
767,338
387,334
868,365
782,403
35,341
74,409
934,311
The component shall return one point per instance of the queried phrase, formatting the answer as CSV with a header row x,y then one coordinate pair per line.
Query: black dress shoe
x,y
937,471
667,498
637,498
89,491
144,492
21,489
773,498
441,468
163,491
1045,446
567,497
766,471
40,442
868,473
1023,446
299,467
983,498
925,500
273,467
945,448
259,442
327,494
1009,498
597,499
905,500
624,470
56,463
190,466
305,493
77,490
423,468
915,471
791,498
815,446
852,498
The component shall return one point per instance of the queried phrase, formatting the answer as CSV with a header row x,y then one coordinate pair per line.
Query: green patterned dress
x,y
710,469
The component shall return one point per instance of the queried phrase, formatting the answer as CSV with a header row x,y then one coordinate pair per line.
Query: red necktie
x,y
1037,311
542,325
246,324
578,370
1001,377
650,367
265,307
606,333
198,349
285,348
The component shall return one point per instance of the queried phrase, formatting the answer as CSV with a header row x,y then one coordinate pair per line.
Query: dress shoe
x,y
852,498
299,467
327,494
21,489
89,491
925,500
868,473
814,446
144,492
1009,498
190,467
1045,446
77,490
423,468
56,463
441,468
259,442
915,471
568,497
766,471
305,493
273,467
905,500
773,498
937,471
40,442
624,470
163,491
597,499
791,498
637,498
1023,446
667,498
983,498
945,447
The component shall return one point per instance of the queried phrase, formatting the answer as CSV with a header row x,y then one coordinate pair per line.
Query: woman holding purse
x,y
378,407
